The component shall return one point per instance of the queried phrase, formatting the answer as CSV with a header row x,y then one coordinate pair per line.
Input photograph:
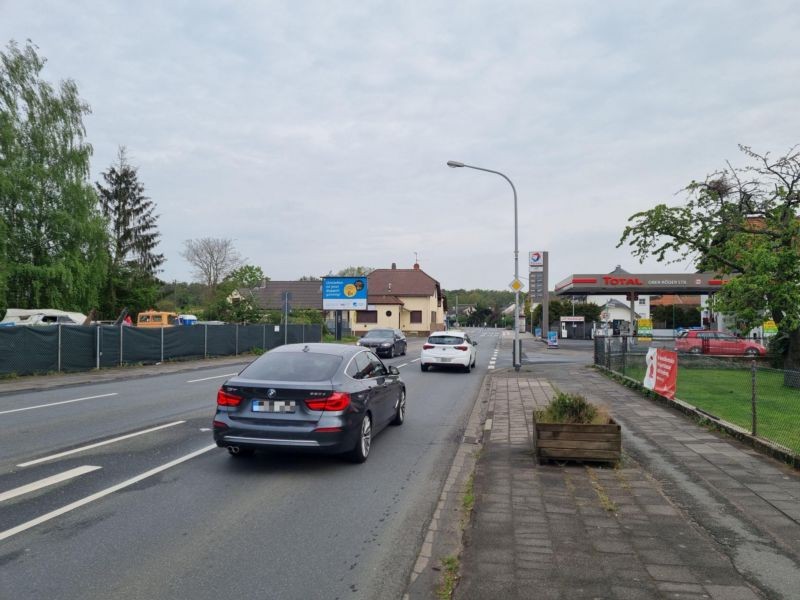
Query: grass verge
x,y
450,566
727,394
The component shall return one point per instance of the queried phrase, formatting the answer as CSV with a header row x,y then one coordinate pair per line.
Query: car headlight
x,y
386,344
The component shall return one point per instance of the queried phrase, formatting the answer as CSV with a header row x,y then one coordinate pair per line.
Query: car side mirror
x,y
474,343
394,370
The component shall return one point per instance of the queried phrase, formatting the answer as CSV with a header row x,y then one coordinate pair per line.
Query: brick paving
x,y
688,514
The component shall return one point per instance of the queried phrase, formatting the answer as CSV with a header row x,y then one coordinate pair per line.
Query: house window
x,y
367,316
433,317
642,300
416,316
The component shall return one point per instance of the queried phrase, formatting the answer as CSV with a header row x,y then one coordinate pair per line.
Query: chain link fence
x,y
31,350
739,390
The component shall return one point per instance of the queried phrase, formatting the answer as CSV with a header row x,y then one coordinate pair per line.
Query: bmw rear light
x,y
427,346
335,402
227,399
220,425
461,347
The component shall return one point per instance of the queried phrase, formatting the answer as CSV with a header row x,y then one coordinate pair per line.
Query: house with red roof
x,y
406,299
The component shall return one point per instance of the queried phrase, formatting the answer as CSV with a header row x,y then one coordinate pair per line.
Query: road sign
x,y
516,285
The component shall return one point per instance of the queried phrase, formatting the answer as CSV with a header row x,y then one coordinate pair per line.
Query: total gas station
x,y
632,285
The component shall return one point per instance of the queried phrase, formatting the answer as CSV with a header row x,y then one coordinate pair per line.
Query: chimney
x,y
416,266
394,266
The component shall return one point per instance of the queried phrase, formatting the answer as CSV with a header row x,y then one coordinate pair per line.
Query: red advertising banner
x,y
661,374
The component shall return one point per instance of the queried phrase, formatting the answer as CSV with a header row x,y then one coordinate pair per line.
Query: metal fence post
x,y
59,347
608,352
237,339
97,343
120,344
625,339
753,402
264,337
162,344
205,341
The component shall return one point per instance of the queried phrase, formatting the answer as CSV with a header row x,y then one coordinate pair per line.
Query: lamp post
x,y
455,164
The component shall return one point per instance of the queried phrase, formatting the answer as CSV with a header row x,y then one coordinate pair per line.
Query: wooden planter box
x,y
561,441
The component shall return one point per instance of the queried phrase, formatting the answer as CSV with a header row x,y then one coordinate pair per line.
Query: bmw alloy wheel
x,y
400,415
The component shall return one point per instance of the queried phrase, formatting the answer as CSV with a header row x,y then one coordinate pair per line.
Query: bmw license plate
x,y
274,406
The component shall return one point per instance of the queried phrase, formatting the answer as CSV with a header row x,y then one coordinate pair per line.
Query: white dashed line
x,y
209,378
83,501
5,412
47,481
97,445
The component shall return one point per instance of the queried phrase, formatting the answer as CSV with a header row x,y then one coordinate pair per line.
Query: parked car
x,y
714,342
313,397
449,349
385,342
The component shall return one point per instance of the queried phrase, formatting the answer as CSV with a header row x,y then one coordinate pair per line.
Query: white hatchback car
x,y
449,349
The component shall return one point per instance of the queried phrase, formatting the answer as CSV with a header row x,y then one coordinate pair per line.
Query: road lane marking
x,y
413,361
5,412
214,377
403,365
97,445
47,481
101,494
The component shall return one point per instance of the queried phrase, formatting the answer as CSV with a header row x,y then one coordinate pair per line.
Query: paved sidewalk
x,y
688,514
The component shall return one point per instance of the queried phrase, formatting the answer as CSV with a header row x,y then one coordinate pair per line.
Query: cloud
x,y
315,134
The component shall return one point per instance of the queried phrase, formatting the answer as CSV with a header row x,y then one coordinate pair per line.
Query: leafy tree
x,y
247,276
741,223
670,316
244,309
562,308
133,237
52,237
213,260
309,278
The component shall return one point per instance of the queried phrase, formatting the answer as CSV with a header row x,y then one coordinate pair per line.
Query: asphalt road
x,y
115,490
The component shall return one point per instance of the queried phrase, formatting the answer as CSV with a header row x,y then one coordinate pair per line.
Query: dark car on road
x,y
326,398
385,342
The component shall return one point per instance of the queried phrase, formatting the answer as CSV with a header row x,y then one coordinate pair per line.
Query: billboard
x,y
344,293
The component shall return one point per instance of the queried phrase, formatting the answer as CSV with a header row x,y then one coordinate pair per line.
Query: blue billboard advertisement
x,y
344,293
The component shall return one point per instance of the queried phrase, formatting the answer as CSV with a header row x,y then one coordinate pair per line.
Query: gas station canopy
x,y
648,283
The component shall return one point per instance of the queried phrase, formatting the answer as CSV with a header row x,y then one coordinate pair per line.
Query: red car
x,y
715,342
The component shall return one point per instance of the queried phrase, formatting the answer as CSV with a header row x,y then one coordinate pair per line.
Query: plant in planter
x,y
571,428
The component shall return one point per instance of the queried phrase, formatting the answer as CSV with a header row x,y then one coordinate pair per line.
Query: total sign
x,y
536,259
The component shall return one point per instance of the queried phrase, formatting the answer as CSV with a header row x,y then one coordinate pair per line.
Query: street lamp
x,y
456,164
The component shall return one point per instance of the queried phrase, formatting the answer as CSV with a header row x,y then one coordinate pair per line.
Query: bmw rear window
x,y
445,340
293,366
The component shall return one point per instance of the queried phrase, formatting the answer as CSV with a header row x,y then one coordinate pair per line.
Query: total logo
x,y
536,259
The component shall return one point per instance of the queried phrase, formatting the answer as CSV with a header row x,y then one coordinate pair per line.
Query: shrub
x,y
571,408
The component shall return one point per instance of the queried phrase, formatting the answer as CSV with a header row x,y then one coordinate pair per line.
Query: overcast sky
x,y
315,134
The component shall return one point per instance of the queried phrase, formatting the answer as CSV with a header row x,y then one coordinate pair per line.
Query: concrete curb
x,y
445,533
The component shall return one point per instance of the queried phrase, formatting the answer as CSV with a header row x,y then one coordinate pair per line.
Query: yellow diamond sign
x,y
515,285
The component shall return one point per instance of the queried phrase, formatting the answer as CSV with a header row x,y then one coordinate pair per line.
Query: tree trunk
x,y
791,363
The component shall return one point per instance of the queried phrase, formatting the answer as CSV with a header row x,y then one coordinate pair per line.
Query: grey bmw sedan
x,y
328,398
